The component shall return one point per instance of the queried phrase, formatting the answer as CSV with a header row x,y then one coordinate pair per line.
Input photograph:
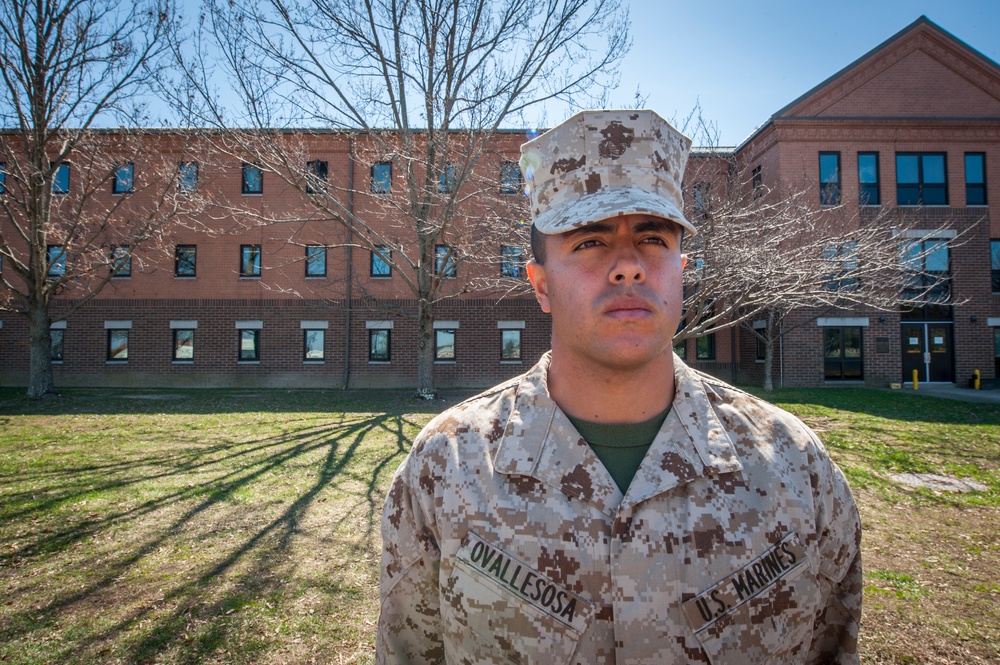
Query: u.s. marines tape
x,y
780,562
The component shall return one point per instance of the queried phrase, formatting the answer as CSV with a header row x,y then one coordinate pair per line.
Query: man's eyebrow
x,y
657,224
595,227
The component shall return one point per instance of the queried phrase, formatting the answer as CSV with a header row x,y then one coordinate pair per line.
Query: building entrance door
x,y
927,348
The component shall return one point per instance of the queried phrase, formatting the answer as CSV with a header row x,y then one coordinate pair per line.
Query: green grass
x,y
242,526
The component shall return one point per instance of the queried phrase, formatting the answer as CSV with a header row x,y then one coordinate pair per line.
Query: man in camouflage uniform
x,y
613,505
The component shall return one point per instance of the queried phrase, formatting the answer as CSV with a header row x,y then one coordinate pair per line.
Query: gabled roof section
x,y
930,73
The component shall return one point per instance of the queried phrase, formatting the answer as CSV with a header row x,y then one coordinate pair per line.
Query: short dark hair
x,y
537,245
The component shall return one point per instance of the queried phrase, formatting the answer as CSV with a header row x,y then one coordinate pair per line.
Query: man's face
x,y
614,290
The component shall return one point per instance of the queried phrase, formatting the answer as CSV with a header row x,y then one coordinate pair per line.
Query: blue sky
x,y
744,60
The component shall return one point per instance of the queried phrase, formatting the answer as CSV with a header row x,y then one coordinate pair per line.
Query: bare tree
x,y
426,85
764,252
68,66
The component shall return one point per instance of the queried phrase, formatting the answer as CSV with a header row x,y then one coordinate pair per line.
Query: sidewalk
x,y
952,391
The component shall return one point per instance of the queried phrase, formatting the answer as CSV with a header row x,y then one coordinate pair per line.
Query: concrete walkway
x,y
952,391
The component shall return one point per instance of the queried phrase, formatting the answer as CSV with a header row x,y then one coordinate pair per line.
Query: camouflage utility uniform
x,y
507,541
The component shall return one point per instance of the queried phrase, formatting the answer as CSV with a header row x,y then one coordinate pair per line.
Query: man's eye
x,y
654,241
587,243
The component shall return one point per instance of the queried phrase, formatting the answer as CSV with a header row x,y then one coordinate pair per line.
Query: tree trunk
x,y
425,350
769,352
40,381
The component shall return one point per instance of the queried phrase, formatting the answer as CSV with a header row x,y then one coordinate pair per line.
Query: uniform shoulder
x,y
489,408
739,403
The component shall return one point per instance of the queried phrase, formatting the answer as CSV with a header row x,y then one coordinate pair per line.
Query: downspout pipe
x,y
348,289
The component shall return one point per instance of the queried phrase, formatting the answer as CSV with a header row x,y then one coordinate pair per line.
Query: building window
x,y
705,347
757,180
185,260
187,177
445,263
446,182
249,345
996,351
842,359
122,183
315,261
316,174
249,260
926,291
57,260
379,346
379,265
121,261
921,179
444,344
60,182
868,184
118,344
841,260
381,178
512,261
253,179
183,344
975,179
313,342
57,335
510,344
3,178
510,178
699,192
829,178
761,344
995,264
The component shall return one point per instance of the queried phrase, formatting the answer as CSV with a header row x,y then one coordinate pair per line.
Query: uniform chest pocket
x,y
762,613
498,609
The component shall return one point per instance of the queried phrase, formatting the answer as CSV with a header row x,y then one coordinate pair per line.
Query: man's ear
x,y
536,275
684,261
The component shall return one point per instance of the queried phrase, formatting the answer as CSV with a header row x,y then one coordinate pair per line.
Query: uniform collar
x,y
539,441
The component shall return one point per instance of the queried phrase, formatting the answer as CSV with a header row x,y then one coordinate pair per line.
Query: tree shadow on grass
x,y
208,564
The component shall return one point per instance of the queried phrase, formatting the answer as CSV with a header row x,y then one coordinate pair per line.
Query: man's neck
x,y
601,394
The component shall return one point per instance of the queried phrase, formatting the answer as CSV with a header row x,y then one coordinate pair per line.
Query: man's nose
x,y
628,268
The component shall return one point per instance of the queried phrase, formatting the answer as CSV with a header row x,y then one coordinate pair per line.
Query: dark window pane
x,y
378,345
249,345
315,261
183,344
253,179
313,344
60,183
187,176
123,179
380,266
57,336
250,260
510,178
933,169
444,345
118,345
907,169
184,265
510,345
381,178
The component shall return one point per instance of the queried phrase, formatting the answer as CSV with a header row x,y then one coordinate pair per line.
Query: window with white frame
x,y
121,261
381,178
379,265
185,260
187,177
57,260
60,181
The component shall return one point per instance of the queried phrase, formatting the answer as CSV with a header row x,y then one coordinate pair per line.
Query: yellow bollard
x,y
914,379
976,379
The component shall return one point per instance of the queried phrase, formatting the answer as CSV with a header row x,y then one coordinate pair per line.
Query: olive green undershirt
x,y
620,447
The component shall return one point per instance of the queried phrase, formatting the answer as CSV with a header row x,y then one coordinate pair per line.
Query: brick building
x,y
910,130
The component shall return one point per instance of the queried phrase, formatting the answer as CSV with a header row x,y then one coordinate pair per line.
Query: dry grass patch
x,y
237,527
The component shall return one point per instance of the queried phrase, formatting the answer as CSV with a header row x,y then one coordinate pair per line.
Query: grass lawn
x,y
242,526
